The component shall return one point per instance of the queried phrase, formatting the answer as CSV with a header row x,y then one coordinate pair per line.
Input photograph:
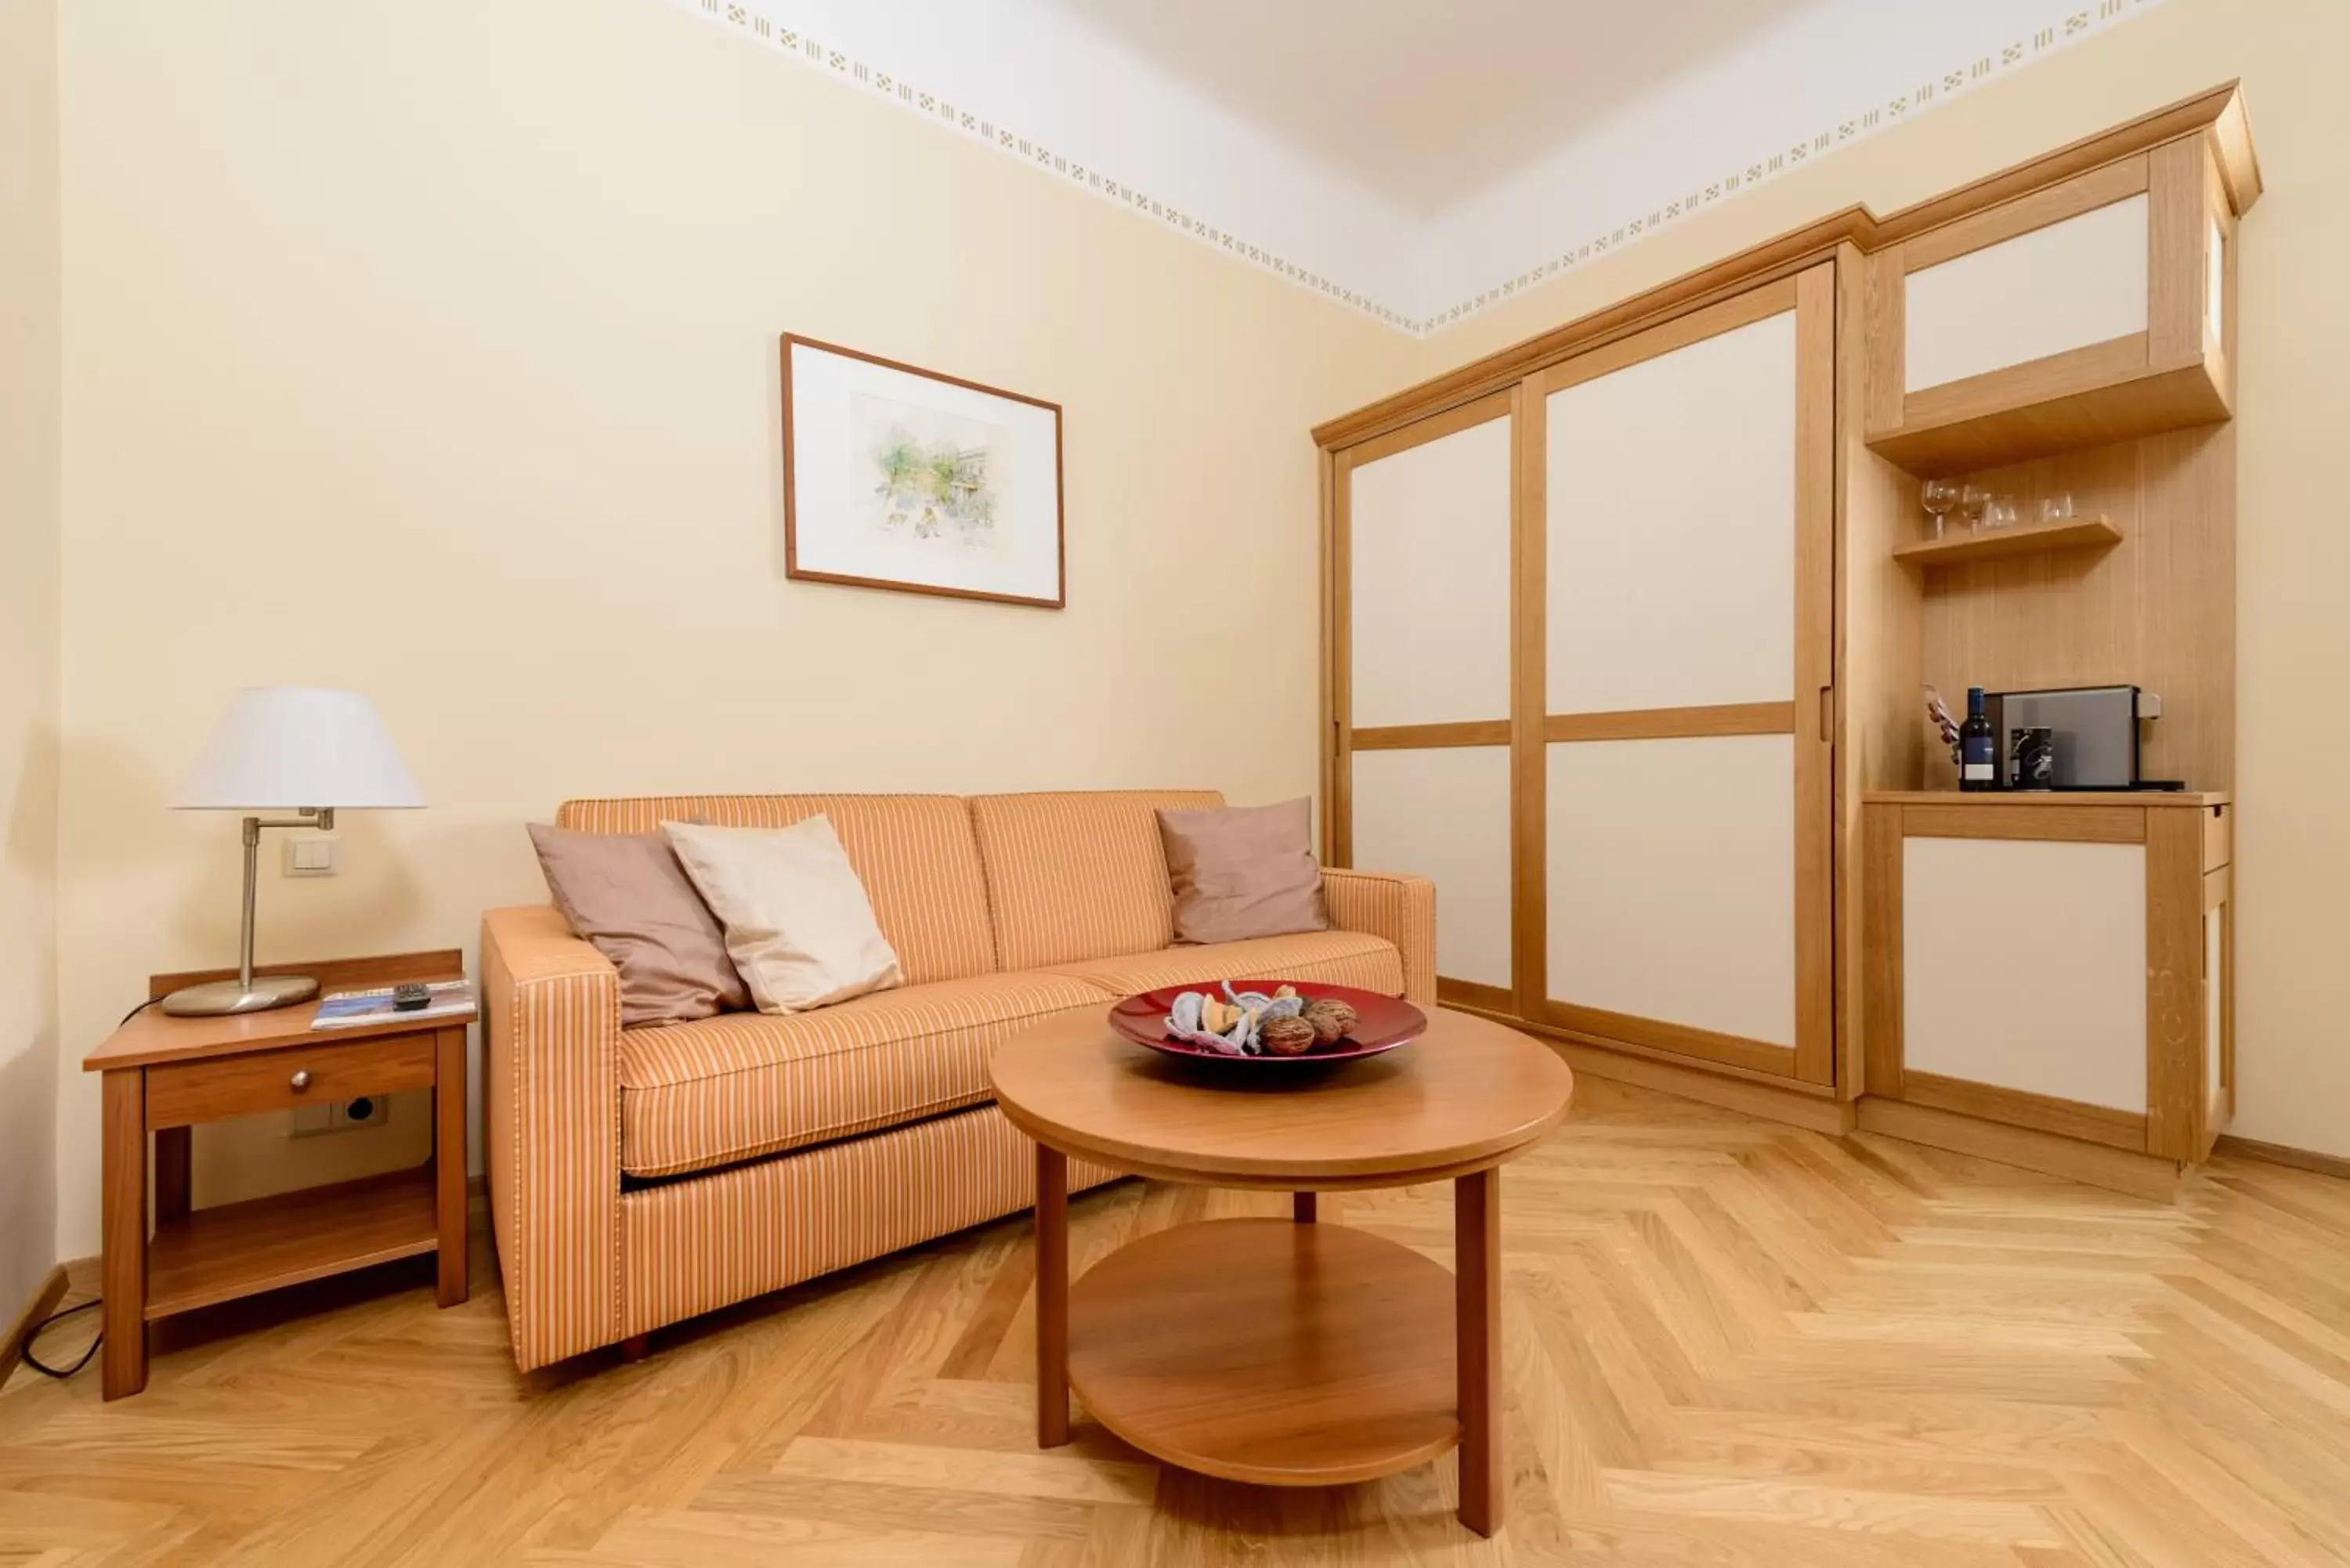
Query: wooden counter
x,y
2047,976
2015,797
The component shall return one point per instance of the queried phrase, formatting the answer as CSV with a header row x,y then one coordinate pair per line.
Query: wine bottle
x,y
1977,749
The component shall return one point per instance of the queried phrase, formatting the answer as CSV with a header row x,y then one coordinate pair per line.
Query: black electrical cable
x,y
43,1368
35,1362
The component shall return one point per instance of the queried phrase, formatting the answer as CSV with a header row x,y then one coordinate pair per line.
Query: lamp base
x,y
216,998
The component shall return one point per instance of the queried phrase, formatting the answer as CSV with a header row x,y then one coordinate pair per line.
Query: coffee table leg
x,y
1052,1298
1477,1282
1303,1208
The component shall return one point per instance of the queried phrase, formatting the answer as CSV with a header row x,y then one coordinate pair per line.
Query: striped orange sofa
x,y
640,1176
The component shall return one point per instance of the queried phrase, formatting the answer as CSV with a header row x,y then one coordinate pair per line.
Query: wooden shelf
x,y
2021,539
2062,404
1268,1352
242,1249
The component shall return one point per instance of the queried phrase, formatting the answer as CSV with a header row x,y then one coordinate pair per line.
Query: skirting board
x,y
2279,1154
2117,1170
44,1301
1810,1112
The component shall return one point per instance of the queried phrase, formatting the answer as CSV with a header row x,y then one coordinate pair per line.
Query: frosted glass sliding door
x,y
1421,677
1686,576
1580,661
1443,813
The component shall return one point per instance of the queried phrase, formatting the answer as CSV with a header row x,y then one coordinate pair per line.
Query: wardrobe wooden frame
x,y
1530,729
1838,254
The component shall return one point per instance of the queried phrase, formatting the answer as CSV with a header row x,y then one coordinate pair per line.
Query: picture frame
x,y
902,478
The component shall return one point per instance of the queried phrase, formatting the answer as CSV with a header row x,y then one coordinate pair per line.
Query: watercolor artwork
x,y
897,477
934,476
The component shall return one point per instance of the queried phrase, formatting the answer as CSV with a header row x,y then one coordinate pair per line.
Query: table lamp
x,y
301,749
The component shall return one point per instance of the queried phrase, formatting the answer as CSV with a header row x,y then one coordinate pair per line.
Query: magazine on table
x,y
353,1008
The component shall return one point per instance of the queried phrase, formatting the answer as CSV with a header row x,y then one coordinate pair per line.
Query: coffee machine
x,y
2092,731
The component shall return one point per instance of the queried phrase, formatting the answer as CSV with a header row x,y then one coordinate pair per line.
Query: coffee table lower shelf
x,y
1269,1351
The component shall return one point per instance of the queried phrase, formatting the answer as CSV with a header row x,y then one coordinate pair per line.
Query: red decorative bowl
x,y
1381,1022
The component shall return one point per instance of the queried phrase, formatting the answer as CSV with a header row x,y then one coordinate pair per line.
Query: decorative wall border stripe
x,y
1887,109
940,111
1771,163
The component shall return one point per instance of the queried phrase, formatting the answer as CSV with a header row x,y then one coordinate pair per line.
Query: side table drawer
x,y
298,1075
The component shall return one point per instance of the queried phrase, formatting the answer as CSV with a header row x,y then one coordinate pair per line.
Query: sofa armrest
x,y
551,1131
1400,909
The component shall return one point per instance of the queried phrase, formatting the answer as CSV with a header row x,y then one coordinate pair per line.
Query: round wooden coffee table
x,y
1281,1352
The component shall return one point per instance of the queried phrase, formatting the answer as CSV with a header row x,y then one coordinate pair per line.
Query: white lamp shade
x,y
281,748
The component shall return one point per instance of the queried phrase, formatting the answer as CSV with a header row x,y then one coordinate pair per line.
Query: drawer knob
x,y
301,1078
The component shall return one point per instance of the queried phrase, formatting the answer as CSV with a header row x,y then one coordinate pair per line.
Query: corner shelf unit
x,y
2023,538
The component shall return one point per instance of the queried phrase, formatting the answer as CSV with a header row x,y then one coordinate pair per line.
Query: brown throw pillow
x,y
627,895
1243,871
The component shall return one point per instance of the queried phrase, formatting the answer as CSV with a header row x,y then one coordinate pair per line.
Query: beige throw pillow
x,y
1243,871
626,894
798,924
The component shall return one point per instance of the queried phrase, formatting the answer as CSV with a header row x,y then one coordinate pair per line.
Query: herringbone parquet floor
x,y
1727,1344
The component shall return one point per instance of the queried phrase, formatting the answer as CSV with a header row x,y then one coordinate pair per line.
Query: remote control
x,y
409,997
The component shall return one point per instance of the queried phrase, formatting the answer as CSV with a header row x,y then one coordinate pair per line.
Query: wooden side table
x,y
165,1075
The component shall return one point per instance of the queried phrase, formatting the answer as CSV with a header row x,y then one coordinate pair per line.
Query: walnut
x,y
1287,1036
1331,1018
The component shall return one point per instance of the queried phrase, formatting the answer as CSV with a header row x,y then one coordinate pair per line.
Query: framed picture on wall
x,y
898,477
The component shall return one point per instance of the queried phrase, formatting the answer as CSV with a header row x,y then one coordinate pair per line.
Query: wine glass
x,y
1938,496
1972,500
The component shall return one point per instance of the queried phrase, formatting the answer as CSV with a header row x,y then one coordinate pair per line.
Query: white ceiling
x,y
1423,101
1417,160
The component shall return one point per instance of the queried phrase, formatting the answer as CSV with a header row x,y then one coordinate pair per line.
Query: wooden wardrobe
x,y
1617,635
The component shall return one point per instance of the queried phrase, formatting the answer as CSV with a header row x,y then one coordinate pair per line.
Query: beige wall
x,y
28,645
2292,846
432,352
429,349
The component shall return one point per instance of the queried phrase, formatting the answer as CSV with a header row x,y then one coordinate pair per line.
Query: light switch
x,y
311,857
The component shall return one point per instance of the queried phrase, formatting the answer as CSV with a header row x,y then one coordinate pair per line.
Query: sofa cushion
x,y
1078,876
1333,958
914,853
1243,871
799,925
626,895
748,1084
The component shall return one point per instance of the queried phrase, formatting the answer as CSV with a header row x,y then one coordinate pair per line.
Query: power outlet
x,y
342,1116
